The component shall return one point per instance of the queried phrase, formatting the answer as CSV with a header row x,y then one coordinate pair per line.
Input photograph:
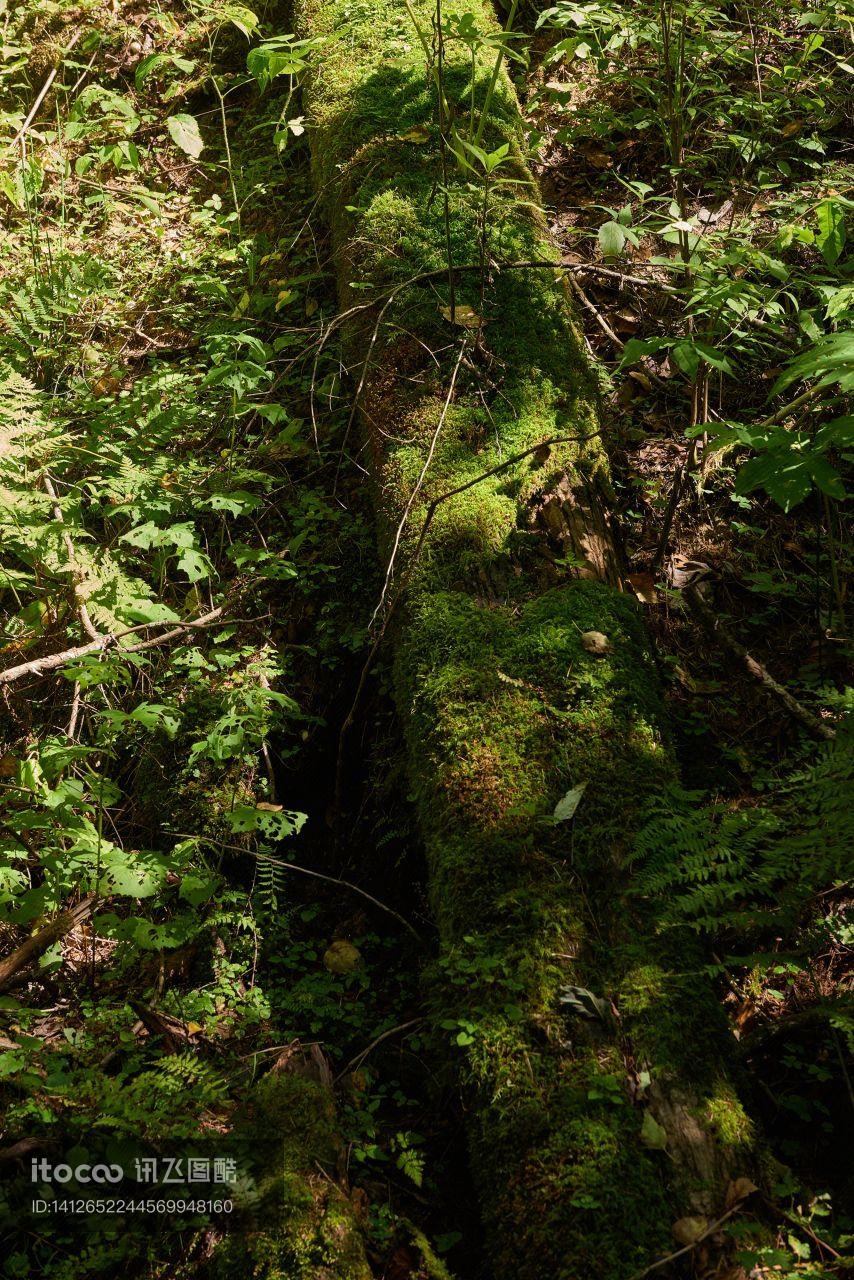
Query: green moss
x,y
726,1113
296,1223
504,707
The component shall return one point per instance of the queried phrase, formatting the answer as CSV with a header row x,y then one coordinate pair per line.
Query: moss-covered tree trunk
x,y
596,1123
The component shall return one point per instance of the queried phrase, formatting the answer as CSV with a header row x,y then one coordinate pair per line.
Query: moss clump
x,y
294,1221
725,1112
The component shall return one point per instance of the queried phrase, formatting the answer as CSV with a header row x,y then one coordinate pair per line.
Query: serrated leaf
x,y
195,564
184,132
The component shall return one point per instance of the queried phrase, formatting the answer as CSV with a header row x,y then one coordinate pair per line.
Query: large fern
x,y
717,865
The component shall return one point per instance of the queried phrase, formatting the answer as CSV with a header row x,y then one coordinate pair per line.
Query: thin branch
x,y
355,1063
711,624
416,489
292,866
43,92
688,1248
600,319
191,624
608,273
38,666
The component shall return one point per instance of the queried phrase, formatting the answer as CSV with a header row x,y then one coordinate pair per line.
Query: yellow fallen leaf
x,y
465,317
689,1230
596,642
738,1190
418,133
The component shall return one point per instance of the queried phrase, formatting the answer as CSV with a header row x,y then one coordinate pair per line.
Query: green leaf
x,y
196,888
147,65
636,348
154,716
195,564
612,239
785,477
236,503
831,230
149,611
184,132
652,1134
565,808
584,1004
244,19
244,818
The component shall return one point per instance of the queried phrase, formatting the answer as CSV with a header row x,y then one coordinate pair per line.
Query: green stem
x,y
496,71
428,54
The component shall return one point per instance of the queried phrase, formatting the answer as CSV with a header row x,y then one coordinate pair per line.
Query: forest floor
x,y
169,359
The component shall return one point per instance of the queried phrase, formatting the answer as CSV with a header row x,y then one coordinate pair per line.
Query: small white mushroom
x,y
596,643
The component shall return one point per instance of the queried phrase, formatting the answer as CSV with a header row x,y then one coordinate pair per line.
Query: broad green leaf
x,y
184,132
612,239
195,564
198,888
565,808
785,477
275,826
831,230
154,716
244,19
636,348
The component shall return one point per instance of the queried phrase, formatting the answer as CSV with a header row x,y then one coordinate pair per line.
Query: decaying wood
x,y
36,945
573,519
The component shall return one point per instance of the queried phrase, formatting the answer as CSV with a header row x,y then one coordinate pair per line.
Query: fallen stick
x,y
38,666
711,624
43,92
36,945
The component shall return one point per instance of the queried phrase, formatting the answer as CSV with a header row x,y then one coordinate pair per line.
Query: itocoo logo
x,y
44,1171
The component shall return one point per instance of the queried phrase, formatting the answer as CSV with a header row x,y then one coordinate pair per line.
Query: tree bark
x,y
505,705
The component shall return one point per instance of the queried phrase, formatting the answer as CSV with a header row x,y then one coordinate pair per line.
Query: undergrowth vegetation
x,y
699,163
188,586
176,584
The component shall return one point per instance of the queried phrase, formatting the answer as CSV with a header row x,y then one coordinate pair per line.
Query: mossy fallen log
x,y
294,1219
602,1107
